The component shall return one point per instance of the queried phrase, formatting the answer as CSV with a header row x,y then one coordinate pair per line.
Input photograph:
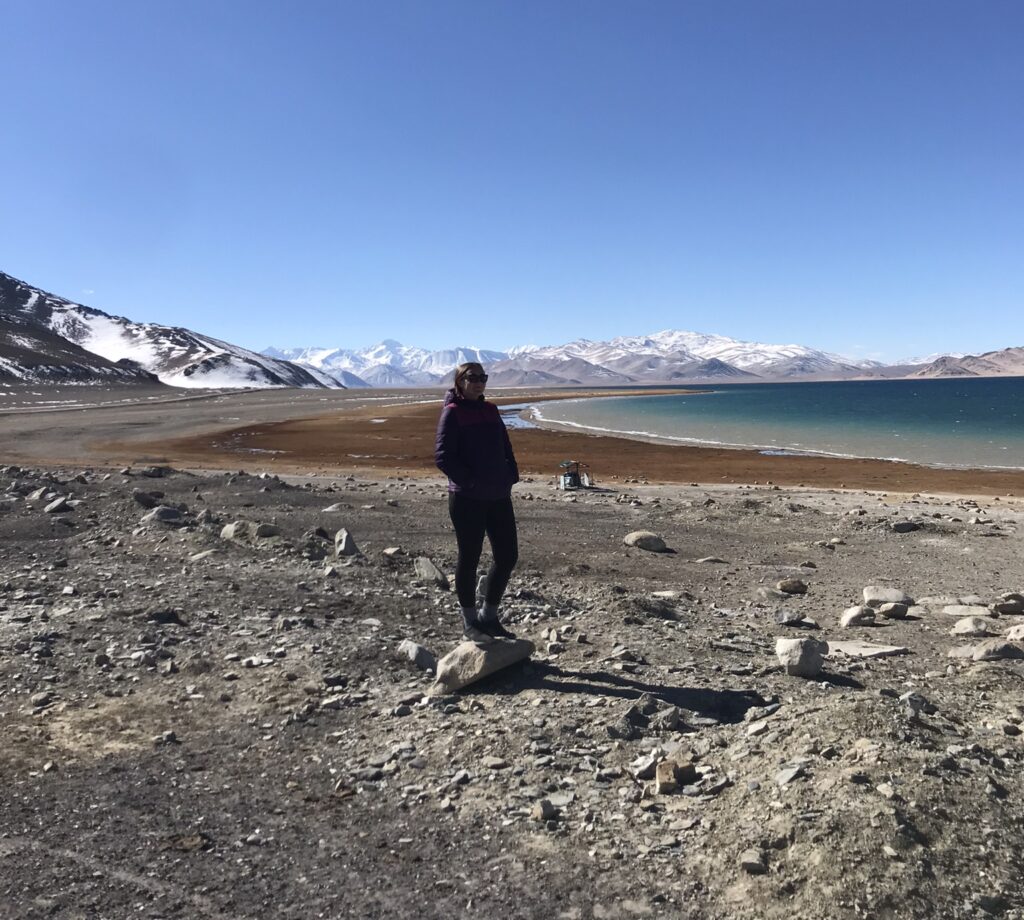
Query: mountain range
x,y
47,338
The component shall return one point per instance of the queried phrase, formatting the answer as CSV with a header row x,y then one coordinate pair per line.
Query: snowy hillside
x,y
128,350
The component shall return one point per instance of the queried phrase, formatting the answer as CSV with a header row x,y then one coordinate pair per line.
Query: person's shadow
x,y
707,703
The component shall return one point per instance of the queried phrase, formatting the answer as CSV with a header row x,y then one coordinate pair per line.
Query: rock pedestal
x,y
468,662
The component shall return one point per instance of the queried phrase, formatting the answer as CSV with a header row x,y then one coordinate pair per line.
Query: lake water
x,y
973,422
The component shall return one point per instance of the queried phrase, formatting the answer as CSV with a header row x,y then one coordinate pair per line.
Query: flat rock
x,y
866,649
801,657
57,506
904,526
894,611
966,610
467,662
646,540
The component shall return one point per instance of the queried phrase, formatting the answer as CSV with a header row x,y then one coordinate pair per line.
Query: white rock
x,y
971,627
857,616
801,657
1015,633
237,530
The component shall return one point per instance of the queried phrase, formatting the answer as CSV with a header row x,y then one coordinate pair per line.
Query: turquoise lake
x,y
973,422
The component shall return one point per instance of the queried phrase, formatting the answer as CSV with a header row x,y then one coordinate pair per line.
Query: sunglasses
x,y
476,378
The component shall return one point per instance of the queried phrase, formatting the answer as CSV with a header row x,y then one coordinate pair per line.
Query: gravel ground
x,y
197,726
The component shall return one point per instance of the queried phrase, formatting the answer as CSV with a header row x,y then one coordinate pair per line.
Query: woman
x,y
474,452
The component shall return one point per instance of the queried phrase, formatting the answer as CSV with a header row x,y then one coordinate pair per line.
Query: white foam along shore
x,y
532,415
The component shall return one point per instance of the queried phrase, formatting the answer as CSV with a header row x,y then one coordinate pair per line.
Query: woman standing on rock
x,y
474,452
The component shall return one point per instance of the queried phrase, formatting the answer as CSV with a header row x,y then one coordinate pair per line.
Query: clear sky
x,y
847,175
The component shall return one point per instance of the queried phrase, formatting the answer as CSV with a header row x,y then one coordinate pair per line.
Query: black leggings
x,y
474,517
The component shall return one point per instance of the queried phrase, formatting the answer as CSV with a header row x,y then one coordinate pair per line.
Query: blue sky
x,y
846,175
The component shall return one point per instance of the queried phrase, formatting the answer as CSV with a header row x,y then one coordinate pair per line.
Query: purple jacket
x,y
473,449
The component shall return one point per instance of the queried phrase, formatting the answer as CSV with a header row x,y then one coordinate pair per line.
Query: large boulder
x,y
468,662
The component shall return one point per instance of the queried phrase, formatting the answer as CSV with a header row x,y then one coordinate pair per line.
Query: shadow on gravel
x,y
720,705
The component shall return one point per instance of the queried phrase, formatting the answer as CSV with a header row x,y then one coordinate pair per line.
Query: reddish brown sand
x,y
403,443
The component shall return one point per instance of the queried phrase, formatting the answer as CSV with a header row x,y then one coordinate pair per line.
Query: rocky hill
x,y
46,337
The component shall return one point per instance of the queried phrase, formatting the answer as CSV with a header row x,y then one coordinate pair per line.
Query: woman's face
x,y
473,385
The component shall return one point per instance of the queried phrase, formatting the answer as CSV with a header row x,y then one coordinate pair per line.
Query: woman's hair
x,y
468,368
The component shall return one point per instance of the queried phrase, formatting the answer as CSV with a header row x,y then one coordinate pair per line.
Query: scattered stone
x,y
876,596
429,574
894,611
753,862
801,657
971,628
786,617
997,650
857,616
646,540
345,544
163,514
421,657
237,530
544,810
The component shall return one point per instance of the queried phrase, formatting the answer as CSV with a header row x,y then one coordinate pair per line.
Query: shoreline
x,y
399,439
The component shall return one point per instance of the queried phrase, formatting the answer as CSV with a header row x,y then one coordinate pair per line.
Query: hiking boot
x,y
495,629
476,635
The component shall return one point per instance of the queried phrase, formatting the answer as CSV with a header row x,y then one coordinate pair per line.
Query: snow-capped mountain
x,y
389,363
49,337
670,356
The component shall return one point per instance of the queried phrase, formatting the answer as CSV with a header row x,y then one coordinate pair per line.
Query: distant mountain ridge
x,y
671,356
46,338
